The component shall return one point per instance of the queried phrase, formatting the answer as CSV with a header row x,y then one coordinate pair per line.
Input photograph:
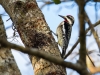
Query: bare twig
x,y
54,33
89,34
93,31
70,51
94,25
90,59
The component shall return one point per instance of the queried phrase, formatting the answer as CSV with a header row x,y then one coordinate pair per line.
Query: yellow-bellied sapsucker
x,y
63,32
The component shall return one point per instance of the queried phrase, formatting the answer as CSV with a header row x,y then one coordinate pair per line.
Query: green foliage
x,y
57,1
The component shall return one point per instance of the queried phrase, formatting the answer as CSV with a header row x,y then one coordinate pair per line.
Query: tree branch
x,y
49,57
7,62
33,51
96,37
70,51
82,37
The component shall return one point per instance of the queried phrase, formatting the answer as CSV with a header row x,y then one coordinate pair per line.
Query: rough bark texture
x,y
35,33
8,65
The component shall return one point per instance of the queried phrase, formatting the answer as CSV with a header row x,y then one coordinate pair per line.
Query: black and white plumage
x,y
64,32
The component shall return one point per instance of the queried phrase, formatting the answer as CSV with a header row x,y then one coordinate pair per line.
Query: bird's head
x,y
69,19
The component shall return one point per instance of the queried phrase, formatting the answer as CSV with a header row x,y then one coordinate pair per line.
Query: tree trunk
x,y
34,33
7,63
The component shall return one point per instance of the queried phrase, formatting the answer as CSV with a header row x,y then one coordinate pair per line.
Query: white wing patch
x,y
63,28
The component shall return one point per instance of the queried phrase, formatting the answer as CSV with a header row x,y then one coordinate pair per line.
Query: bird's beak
x,y
62,16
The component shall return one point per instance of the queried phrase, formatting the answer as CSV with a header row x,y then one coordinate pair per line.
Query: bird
x,y
63,32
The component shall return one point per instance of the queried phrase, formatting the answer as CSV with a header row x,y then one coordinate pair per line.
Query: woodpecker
x,y
63,32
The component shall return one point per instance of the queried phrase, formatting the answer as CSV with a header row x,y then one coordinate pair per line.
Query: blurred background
x,y
51,12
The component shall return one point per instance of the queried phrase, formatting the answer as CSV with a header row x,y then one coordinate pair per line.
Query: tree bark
x,y
82,39
8,65
35,33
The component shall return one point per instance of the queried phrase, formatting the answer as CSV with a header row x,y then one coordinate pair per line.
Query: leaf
x,y
57,1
